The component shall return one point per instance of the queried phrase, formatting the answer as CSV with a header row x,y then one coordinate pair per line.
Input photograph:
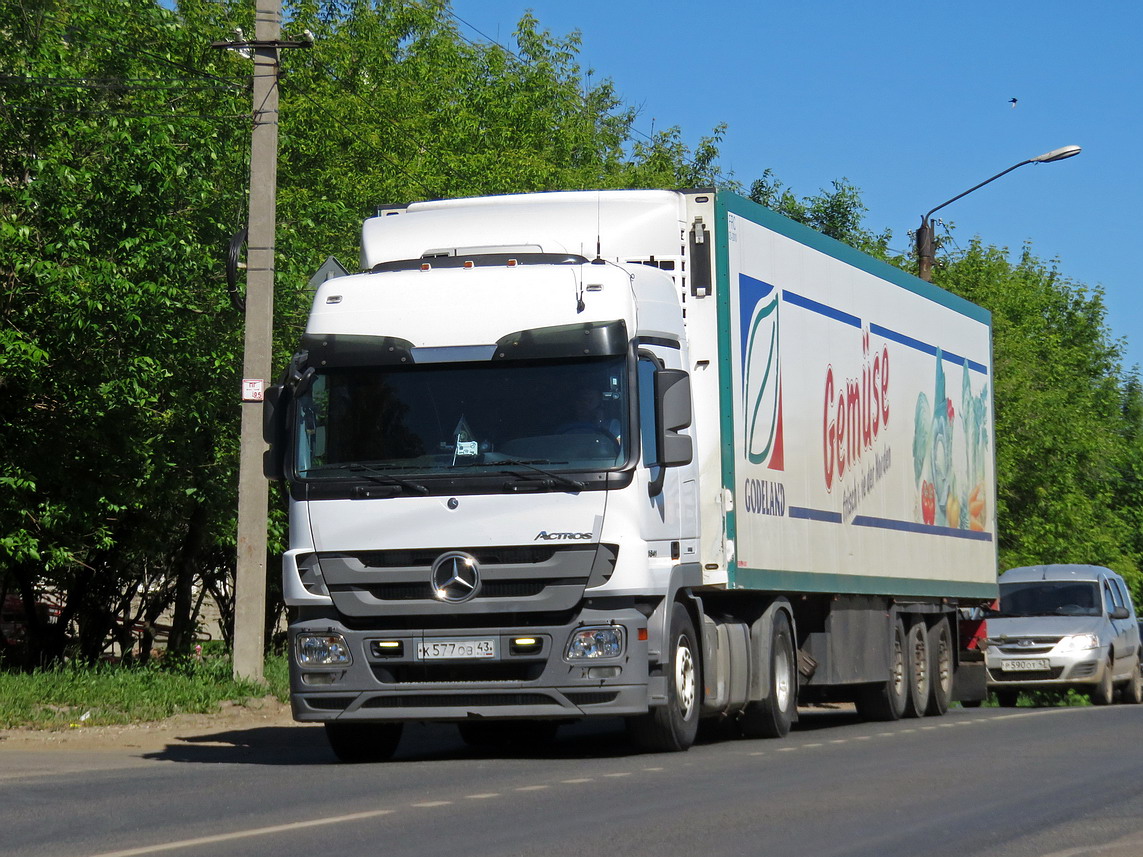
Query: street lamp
x,y
925,232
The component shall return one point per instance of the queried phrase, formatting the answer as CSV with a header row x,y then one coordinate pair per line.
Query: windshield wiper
x,y
377,475
553,477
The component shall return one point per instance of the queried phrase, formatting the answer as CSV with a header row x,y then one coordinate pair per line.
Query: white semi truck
x,y
661,455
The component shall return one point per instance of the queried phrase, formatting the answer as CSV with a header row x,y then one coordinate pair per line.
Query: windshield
x,y
1050,598
483,417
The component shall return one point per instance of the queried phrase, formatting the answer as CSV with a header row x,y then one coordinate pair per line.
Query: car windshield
x,y
485,417
1050,598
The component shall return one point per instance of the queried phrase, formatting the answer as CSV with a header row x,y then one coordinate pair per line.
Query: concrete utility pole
x,y
253,489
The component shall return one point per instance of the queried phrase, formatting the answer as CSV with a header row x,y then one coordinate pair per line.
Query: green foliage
x,y
838,213
74,697
1067,418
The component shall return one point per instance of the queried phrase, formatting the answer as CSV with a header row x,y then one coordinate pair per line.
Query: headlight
x,y
314,650
1076,642
599,642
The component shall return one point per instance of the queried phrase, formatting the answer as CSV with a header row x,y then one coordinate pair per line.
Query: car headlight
x,y
1077,642
605,641
322,650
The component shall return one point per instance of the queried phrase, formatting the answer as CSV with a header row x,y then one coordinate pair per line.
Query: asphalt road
x,y
985,782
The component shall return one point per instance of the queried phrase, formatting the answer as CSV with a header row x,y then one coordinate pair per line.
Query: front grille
x,y
1025,675
458,700
456,673
424,592
1031,646
591,697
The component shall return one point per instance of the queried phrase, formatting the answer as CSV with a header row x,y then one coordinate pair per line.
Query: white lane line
x,y
484,796
620,774
579,780
429,804
244,834
532,788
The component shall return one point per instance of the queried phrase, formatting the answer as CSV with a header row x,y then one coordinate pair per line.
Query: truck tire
x,y
886,701
1104,692
771,717
672,727
363,742
917,666
941,668
1132,692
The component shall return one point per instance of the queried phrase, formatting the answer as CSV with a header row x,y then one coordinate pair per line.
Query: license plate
x,y
450,648
1025,665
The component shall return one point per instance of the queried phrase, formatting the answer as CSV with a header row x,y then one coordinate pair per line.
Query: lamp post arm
x,y
977,187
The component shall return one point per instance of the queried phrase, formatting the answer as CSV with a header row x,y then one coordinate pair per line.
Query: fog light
x,y
319,678
600,642
604,672
321,650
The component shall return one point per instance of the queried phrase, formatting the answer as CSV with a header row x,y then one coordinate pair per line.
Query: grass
x,y
113,694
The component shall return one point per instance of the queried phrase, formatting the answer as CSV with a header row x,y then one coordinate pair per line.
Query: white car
x,y
1062,626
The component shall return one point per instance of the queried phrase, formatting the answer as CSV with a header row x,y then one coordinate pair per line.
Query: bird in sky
x,y
1012,101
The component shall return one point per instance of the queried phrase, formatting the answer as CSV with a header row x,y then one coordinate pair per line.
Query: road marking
x,y
812,745
579,780
485,796
532,788
620,774
244,834
429,804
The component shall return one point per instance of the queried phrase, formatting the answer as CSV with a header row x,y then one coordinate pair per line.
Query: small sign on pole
x,y
253,389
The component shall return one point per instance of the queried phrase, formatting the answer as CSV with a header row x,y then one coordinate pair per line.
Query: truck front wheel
x,y
771,717
672,727
363,742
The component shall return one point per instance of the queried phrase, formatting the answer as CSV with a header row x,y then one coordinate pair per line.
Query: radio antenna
x,y
598,260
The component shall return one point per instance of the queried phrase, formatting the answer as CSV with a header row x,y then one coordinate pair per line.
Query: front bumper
x,y
392,683
1083,667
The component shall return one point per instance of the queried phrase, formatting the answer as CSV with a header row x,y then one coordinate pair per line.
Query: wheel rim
x,y
944,664
684,677
782,678
898,668
920,663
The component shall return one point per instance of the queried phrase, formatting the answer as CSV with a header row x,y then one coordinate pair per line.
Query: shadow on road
x,y
423,742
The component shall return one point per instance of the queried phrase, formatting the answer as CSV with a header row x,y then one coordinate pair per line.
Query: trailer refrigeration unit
x,y
662,455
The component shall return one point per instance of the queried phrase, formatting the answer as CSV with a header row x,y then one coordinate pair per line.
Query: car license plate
x,y
432,649
1025,665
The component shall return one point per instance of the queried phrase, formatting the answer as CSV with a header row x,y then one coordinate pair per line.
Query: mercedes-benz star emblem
x,y
455,577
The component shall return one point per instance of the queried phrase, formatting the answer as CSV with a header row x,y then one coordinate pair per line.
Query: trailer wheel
x,y
672,727
363,742
886,701
771,717
940,668
917,663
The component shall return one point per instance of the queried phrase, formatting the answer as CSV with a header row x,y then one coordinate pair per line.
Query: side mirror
x,y
1120,613
673,413
275,404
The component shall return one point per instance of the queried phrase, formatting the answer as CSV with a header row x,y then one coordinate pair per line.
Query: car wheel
x,y
917,663
1007,698
1133,690
772,717
886,701
363,742
673,727
940,668
1104,692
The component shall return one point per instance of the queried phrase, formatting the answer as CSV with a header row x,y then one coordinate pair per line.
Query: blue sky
x,y
908,101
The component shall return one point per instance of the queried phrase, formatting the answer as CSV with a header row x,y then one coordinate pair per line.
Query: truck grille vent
x,y
492,589
458,700
591,697
455,674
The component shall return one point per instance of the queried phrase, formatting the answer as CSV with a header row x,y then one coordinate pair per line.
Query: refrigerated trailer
x,y
661,455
